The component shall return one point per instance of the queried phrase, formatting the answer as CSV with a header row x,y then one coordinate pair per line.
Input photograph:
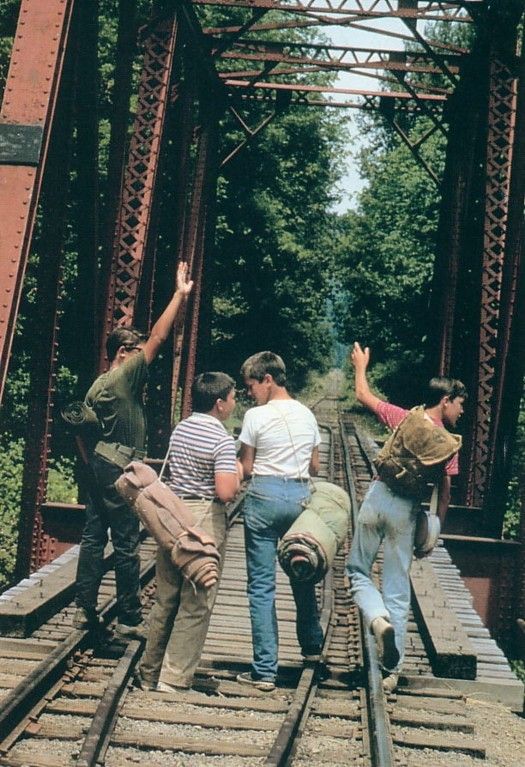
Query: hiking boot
x,y
84,620
390,683
126,633
266,684
385,637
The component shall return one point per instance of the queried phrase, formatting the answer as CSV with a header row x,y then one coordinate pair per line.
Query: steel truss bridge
x,y
192,75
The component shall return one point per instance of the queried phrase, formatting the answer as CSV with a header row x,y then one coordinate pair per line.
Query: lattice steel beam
x,y
321,89
336,59
502,115
137,199
203,192
511,338
358,9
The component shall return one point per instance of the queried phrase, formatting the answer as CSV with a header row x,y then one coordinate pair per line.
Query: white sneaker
x,y
167,687
267,685
385,637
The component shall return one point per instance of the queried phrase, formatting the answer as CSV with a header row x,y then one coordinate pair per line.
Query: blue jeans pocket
x,y
259,511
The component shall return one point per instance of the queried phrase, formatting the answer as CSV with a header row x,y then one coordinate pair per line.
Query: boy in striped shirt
x,y
205,473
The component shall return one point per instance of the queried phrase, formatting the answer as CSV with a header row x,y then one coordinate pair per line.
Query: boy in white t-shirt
x,y
279,450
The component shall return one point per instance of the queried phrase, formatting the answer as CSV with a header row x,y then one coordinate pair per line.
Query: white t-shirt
x,y
284,433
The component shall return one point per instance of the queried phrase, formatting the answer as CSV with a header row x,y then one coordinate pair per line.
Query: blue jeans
x,y
387,518
272,504
109,511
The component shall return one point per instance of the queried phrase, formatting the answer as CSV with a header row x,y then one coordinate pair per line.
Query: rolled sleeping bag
x,y
171,523
307,550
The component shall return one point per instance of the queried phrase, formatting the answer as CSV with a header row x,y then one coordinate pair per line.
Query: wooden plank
x,y
209,746
331,729
28,759
345,709
431,704
430,720
212,719
450,651
263,703
439,743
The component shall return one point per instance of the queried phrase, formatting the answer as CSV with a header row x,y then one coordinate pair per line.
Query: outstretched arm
x,y
360,359
161,329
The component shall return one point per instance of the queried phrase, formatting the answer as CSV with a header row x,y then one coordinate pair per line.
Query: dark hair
x,y
207,388
440,387
265,363
128,337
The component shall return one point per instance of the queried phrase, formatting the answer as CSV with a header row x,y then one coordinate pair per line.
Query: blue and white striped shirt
x,y
200,447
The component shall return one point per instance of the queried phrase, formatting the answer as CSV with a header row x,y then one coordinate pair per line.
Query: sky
x,y
352,183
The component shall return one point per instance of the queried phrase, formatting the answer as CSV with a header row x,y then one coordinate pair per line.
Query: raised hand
x,y
360,357
184,285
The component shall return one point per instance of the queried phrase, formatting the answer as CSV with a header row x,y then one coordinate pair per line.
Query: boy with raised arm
x,y
117,399
388,514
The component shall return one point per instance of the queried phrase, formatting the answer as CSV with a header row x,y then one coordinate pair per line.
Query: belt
x,y
187,497
119,454
280,476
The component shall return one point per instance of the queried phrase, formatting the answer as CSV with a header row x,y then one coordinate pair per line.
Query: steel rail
x,y
18,703
98,736
379,722
307,686
305,691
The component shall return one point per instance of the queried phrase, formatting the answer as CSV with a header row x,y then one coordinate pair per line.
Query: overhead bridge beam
x,y
25,125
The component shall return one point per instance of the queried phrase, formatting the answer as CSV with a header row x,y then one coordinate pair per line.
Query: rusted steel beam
x,y
251,134
132,231
457,266
176,184
124,54
356,9
26,116
337,57
187,120
199,219
510,352
500,144
282,26
333,65
87,188
35,548
232,82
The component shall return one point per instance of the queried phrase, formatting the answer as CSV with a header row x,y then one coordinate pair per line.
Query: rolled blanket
x,y
171,523
307,550
79,414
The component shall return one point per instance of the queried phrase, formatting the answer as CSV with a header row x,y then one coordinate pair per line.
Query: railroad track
x,y
85,709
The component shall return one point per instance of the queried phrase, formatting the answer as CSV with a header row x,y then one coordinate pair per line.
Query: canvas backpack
x,y
415,454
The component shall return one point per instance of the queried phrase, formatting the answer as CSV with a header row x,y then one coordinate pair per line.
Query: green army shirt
x,y
117,397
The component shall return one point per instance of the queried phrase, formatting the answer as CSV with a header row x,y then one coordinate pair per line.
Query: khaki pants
x,y
181,614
